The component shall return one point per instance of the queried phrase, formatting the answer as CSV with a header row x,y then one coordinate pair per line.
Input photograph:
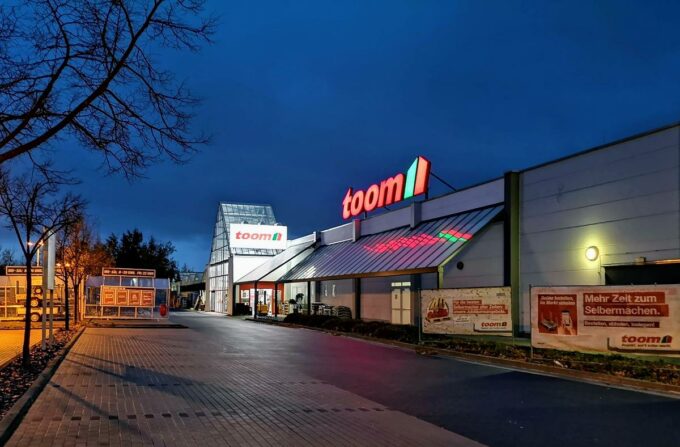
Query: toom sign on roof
x,y
392,190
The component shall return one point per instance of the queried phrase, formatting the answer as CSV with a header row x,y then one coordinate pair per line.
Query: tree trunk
x,y
26,350
66,323
76,301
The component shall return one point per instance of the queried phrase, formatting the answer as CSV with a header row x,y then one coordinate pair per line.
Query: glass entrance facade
x,y
221,254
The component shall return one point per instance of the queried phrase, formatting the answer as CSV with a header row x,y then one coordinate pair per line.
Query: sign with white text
x,y
258,236
635,319
474,311
20,270
140,273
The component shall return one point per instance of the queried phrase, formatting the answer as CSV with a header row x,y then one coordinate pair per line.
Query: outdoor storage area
x,y
127,294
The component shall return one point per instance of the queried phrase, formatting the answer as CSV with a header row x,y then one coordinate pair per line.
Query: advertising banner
x,y
147,298
258,236
135,297
634,319
108,296
473,311
121,297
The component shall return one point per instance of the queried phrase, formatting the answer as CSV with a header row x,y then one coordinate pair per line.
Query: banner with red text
x,y
473,311
633,319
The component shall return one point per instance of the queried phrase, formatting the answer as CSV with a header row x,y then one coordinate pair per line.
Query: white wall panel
x,y
482,259
478,196
602,157
376,299
646,185
624,199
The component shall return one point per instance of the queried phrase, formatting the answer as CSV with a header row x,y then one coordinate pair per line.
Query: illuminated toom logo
x,y
258,236
394,189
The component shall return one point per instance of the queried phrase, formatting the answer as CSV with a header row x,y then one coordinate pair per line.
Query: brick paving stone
x,y
172,387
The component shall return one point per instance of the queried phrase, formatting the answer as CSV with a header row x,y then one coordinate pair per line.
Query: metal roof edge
x,y
240,280
603,146
365,275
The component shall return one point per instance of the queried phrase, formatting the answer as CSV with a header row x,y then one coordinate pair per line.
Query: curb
x,y
552,371
16,413
138,326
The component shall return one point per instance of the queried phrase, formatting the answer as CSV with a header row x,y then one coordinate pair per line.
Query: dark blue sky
x,y
305,98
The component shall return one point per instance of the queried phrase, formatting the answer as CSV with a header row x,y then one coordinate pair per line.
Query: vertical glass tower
x,y
221,254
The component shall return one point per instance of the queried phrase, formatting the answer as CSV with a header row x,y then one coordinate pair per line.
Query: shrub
x,y
293,318
318,320
367,327
307,320
332,324
347,325
397,332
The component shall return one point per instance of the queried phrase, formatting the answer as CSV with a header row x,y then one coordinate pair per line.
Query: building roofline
x,y
245,203
603,146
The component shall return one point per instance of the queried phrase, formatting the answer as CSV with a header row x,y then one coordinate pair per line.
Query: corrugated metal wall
x,y
624,199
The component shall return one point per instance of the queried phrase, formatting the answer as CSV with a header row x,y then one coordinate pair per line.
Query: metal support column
x,y
276,299
357,298
309,298
416,285
255,302
511,273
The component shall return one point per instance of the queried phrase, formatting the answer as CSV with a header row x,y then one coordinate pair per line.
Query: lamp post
x,y
37,252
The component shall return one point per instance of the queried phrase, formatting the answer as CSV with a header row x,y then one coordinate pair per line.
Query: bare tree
x,y
7,257
80,254
34,209
84,68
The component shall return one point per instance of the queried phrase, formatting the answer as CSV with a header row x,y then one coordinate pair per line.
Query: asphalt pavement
x,y
492,405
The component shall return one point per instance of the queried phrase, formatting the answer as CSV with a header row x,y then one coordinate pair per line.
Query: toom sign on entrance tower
x,y
394,189
258,236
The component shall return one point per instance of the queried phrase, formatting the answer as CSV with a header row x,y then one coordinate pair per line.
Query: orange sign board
x,y
122,297
147,298
108,296
135,297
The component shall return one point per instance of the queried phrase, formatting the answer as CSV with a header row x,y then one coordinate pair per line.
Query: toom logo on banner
x,y
647,339
258,236
387,192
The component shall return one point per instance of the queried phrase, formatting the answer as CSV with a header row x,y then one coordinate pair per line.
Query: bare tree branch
x,y
83,68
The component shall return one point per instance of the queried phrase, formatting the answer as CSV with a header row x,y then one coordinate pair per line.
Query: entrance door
x,y
401,305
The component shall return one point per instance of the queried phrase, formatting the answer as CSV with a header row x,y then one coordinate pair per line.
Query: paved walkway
x,y
11,341
128,387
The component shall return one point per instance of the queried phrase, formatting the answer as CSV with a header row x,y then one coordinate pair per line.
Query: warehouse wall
x,y
623,199
482,259
337,293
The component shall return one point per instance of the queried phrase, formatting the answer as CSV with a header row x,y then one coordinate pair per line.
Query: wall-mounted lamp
x,y
592,253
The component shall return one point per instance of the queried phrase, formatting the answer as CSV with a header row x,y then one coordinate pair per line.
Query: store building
x,y
245,236
608,215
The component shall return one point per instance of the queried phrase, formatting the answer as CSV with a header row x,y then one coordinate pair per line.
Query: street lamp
x,y
37,252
